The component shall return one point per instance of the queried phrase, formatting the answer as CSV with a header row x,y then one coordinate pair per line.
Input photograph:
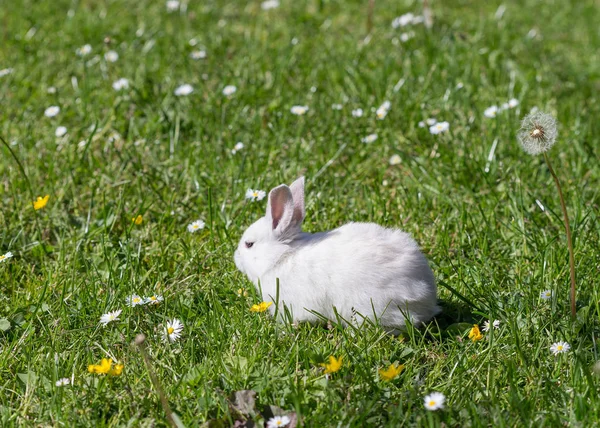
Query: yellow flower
x,y
261,307
137,220
475,334
391,372
40,202
105,367
333,365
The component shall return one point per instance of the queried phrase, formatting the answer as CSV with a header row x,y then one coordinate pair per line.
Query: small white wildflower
x,y
383,110
109,317
403,20
6,72
369,138
357,112
255,195
173,330
395,159
63,382
84,50
154,299
560,348
491,111
5,257
294,41
513,102
269,4
459,85
229,90
238,146
439,127
193,41
134,300
111,56
421,124
51,90
336,106
121,84
184,90
172,6
195,226
546,294
52,111
299,110
435,401
278,421
405,37
431,121
61,131
487,325
198,55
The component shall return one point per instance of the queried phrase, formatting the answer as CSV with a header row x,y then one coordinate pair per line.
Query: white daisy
x,y
269,4
369,138
229,90
421,124
434,401
546,294
439,127
357,112
195,226
278,421
395,159
84,50
6,72
336,106
198,55
560,348
121,84
487,325
255,195
173,330
299,110
155,299
5,257
172,5
513,102
61,131
383,110
491,111
63,382
134,300
51,90
431,121
239,146
111,56
110,316
184,90
52,111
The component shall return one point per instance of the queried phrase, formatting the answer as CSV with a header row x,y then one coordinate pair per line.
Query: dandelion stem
x,y
139,342
569,239
370,16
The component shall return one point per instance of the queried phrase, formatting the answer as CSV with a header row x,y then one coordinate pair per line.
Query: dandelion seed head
x,y
538,132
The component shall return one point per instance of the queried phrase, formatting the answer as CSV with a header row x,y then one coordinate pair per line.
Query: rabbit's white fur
x,y
359,267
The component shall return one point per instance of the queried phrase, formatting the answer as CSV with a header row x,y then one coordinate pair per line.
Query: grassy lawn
x,y
485,213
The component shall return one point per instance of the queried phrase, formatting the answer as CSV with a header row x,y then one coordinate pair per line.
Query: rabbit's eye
x,y
249,244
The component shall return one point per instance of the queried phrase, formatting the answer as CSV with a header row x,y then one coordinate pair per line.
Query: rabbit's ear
x,y
280,208
297,188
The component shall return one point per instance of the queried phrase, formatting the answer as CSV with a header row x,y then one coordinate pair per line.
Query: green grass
x,y
493,250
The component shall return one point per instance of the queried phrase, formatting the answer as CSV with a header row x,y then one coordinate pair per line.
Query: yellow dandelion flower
x,y
40,202
137,220
261,307
391,372
475,334
333,365
116,370
105,367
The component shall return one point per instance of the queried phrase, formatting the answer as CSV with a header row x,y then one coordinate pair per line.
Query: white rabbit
x,y
357,268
